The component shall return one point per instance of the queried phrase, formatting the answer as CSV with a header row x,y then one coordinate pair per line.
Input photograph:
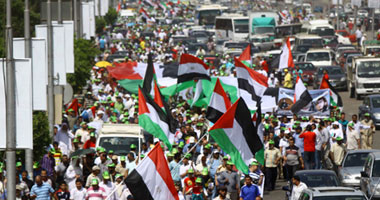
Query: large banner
x,y
318,107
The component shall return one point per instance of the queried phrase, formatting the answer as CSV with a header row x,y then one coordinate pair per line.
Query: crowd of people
x,y
199,167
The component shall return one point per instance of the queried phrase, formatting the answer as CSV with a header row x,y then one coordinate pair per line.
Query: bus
x,y
206,14
231,27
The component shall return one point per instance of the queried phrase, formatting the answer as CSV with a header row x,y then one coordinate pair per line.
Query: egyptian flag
x,y
219,103
191,68
286,58
144,14
153,119
251,84
237,136
150,77
335,99
301,96
245,57
151,179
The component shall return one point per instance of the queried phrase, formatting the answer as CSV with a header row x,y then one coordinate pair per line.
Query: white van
x,y
320,57
119,137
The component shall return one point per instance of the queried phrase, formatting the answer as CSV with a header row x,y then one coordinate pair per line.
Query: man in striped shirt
x,y
95,192
41,191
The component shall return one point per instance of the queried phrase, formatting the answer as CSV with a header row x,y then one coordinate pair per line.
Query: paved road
x,y
350,108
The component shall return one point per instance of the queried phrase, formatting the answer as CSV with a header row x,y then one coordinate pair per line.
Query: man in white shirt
x,y
353,137
108,185
78,193
298,187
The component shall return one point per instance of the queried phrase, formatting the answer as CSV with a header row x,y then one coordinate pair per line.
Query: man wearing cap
x,y
230,179
174,166
112,172
367,131
108,185
131,162
83,132
91,143
48,162
104,162
206,153
337,153
121,167
272,157
310,138
214,162
95,174
95,192
185,166
353,137
188,184
288,83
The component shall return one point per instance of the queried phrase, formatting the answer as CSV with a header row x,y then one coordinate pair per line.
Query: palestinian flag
x,y
257,121
335,99
150,77
160,101
192,68
252,84
153,119
219,103
152,179
302,97
237,136
286,58
245,57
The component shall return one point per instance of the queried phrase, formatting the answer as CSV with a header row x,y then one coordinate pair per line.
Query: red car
x,y
346,34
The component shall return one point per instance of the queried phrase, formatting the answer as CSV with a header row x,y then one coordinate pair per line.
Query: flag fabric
x,y
153,119
151,179
198,92
144,14
160,101
74,105
163,6
219,103
286,58
257,119
301,96
191,68
252,84
245,57
150,77
335,99
237,136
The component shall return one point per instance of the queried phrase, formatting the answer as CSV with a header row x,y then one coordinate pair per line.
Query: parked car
x,y
370,176
346,34
332,193
371,104
337,77
315,178
352,165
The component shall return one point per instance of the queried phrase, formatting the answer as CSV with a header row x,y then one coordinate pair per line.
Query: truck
x,y
363,76
119,137
263,23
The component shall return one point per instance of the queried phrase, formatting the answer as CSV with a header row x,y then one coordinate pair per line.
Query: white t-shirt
x,y
296,192
283,143
76,194
352,139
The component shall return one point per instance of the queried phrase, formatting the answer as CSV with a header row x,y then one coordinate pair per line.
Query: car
x,y
320,57
352,165
371,105
308,70
332,193
370,176
264,42
201,36
315,178
337,77
346,34
192,48
362,13
219,46
344,54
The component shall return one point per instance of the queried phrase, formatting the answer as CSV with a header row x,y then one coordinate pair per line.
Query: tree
x,y
85,51
100,24
111,16
41,136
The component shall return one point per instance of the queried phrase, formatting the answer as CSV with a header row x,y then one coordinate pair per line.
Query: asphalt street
x,y
350,107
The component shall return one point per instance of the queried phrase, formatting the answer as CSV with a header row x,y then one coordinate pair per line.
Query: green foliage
x,y
17,20
85,52
100,23
111,16
41,136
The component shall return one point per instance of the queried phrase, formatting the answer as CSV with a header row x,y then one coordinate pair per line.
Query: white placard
x,y
357,3
58,51
373,3
24,113
39,68
69,45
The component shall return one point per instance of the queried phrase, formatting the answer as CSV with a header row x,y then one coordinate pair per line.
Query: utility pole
x,y
355,19
76,19
10,106
28,54
51,106
373,24
337,15
59,11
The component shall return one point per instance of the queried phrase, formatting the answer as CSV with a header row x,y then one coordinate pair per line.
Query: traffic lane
x,y
350,107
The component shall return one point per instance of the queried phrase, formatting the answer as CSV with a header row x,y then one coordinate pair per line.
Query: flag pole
x,y
200,139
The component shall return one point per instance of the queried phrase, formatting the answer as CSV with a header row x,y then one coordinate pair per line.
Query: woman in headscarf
x,y
73,172
63,137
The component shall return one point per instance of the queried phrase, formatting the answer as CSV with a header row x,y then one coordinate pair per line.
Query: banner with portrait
x,y
319,107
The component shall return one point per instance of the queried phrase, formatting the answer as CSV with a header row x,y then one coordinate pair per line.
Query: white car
x,y
320,57
362,13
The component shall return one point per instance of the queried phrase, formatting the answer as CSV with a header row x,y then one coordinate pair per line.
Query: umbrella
x,y
82,152
103,64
